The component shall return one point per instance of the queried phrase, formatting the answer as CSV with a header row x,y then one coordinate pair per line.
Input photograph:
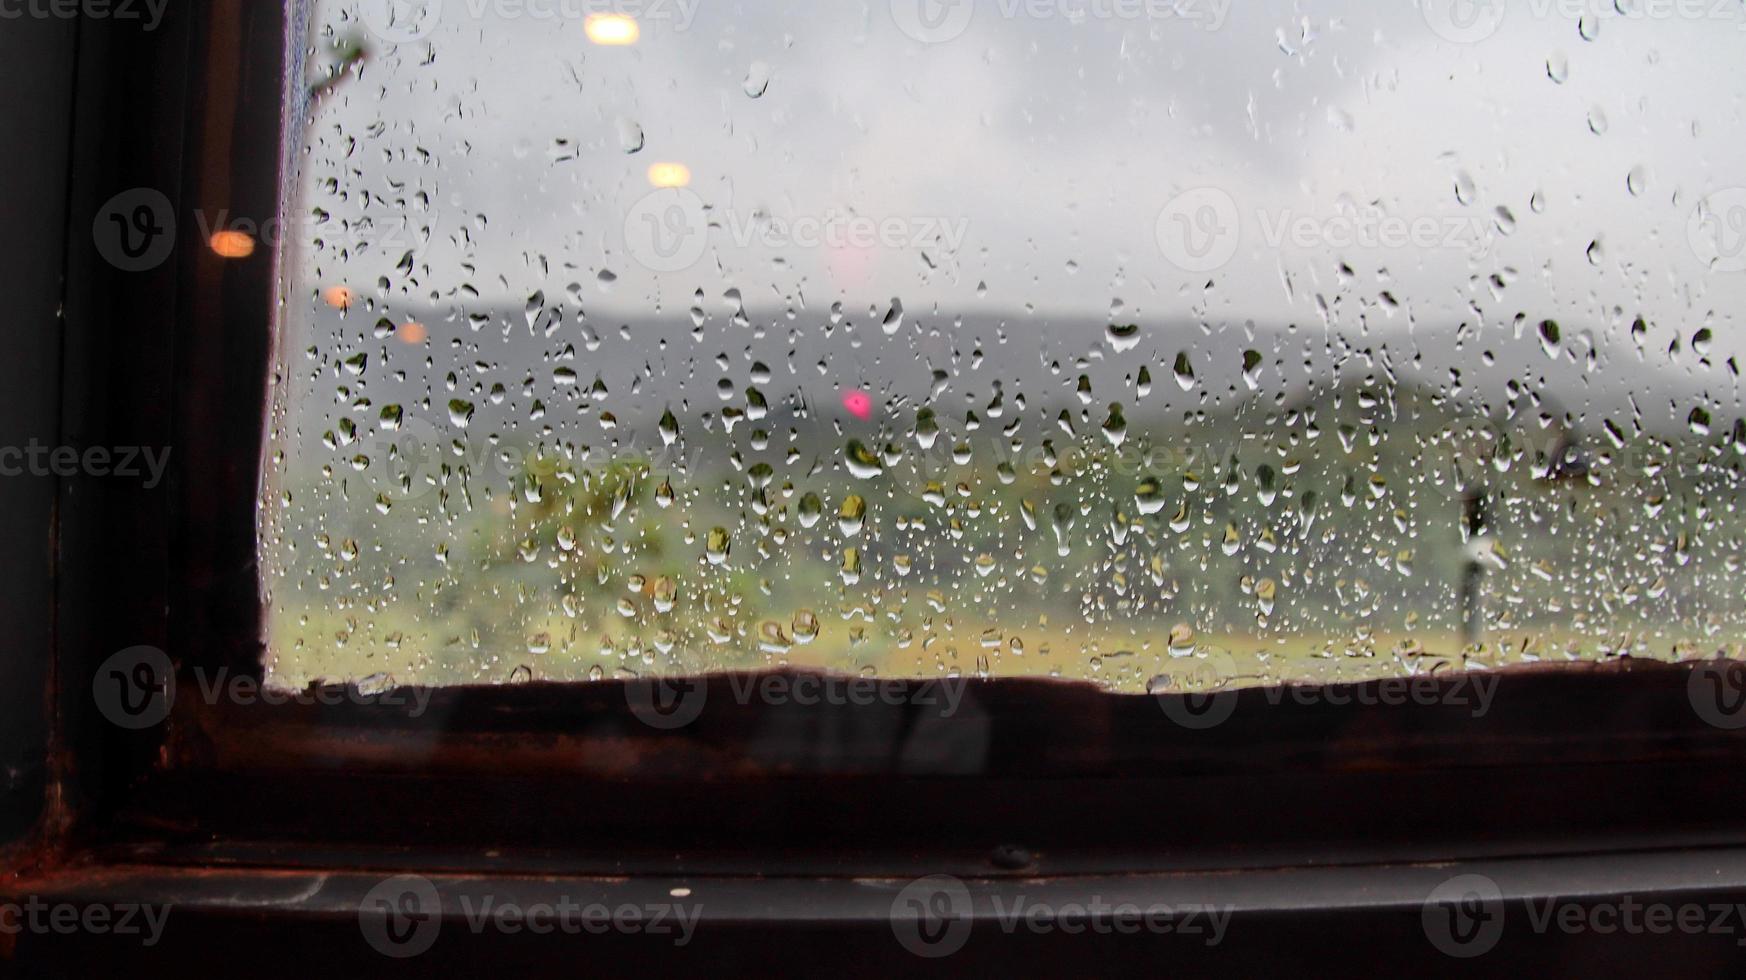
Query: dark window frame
x,y
564,779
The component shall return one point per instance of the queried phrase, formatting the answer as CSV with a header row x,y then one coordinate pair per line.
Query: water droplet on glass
x,y
1184,371
757,79
630,135
1558,67
893,321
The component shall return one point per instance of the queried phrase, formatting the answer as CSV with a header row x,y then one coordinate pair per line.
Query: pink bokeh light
x,y
859,404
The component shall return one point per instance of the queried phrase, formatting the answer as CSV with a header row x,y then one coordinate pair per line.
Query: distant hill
x,y
505,359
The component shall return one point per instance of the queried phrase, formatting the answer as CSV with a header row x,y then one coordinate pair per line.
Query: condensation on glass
x,y
1165,345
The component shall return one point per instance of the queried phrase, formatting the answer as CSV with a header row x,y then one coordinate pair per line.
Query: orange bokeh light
x,y
338,297
612,29
232,244
411,332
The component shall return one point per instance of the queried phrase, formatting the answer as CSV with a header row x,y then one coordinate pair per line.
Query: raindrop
x,y
1465,189
1149,496
1550,335
1252,362
757,79
893,321
811,508
630,135
853,516
1124,338
1181,640
1115,427
717,546
1184,372
1558,67
862,462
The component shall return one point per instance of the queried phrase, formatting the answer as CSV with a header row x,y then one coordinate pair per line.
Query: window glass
x,y
1164,344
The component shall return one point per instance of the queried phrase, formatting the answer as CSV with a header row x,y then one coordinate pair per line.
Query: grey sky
x,y
1053,135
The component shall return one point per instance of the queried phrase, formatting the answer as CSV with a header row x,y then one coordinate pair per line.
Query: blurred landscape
x,y
1119,517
